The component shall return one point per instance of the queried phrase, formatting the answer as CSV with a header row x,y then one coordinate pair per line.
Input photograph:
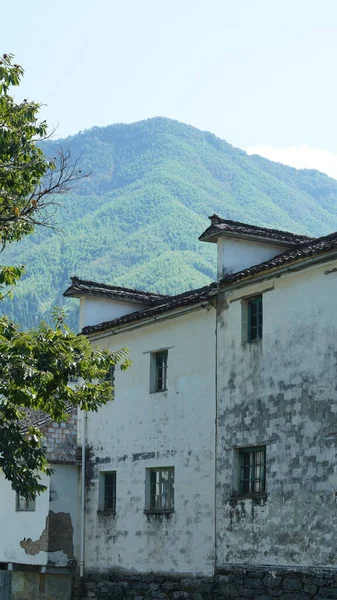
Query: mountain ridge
x,y
136,220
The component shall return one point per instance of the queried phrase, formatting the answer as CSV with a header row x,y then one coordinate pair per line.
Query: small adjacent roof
x,y
39,418
82,287
317,247
221,226
167,304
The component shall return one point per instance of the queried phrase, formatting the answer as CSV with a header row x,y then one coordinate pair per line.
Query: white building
x,y
212,472
38,541
151,468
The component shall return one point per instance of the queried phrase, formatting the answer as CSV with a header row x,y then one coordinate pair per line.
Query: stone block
x,y
327,592
272,582
228,590
295,596
291,584
253,583
310,589
190,584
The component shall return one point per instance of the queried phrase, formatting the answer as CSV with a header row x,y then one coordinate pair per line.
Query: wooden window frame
x,y
252,471
160,490
255,311
158,371
24,504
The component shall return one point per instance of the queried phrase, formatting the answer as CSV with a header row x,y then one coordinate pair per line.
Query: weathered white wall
x,y
97,310
281,392
139,430
48,534
64,488
15,526
235,255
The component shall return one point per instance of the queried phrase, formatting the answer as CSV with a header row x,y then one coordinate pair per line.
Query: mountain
x,y
136,219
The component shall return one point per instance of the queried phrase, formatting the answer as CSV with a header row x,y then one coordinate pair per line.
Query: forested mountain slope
x,y
136,219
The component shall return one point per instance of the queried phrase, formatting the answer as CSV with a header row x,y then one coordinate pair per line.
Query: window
x,y
158,371
24,504
107,491
255,319
110,377
252,471
160,492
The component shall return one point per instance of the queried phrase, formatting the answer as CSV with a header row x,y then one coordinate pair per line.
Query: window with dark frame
x,y
109,491
252,474
161,371
161,489
24,504
110,377
255,319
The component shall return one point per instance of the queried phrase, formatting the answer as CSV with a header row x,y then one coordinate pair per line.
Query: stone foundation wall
x,y
234,583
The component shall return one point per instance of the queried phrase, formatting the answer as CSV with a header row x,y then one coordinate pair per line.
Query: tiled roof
x,y
219,226
38,418
167,304
82,287
318,247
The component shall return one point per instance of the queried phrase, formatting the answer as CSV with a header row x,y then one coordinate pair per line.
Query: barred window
x,y
24,504
158,371
252,477
107,491
110,377
255,319
161,484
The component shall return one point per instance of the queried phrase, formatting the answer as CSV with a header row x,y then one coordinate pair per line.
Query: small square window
x,y
160,489
158,371
255,318
107,491
252,471
24,504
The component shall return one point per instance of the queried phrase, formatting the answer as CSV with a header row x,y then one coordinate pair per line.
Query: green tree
x,y
36,365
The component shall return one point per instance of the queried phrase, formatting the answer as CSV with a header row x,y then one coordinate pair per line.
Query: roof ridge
x,y
217,220
116,288
185,299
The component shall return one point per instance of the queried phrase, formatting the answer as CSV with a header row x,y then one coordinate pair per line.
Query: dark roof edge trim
x,y
143,321
212,236
182,302
277,271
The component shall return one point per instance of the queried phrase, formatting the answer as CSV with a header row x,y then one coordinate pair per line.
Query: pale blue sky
x,y
252,71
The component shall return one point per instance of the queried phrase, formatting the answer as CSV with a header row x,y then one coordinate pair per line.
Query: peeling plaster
x,y
56,536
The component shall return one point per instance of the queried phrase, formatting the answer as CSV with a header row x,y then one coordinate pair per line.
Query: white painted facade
x,y
235,254
280,393
95,310
139,430
15,526
25,535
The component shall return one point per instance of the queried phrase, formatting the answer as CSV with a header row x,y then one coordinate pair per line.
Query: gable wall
x,y
235,254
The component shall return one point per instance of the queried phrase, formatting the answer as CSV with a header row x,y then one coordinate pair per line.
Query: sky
x,y
260,74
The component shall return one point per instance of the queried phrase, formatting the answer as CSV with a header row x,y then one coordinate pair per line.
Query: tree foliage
x,y
36,365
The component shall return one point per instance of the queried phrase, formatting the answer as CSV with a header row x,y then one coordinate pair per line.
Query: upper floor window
x,y
252,474
158,371
110,377
24,504
255,319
